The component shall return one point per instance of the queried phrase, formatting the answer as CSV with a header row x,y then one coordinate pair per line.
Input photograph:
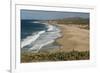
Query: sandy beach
x,y
74,38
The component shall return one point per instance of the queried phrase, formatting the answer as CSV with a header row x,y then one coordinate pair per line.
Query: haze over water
x,y
45,15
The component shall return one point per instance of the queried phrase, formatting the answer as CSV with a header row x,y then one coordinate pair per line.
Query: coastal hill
x,y
75,20
81,22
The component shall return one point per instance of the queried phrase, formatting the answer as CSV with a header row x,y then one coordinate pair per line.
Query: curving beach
x,y
54,35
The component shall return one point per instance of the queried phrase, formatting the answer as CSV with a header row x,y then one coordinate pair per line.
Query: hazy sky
x,y
42,15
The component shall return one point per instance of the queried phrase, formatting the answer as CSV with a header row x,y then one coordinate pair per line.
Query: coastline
x,y
42,38
74,46
72,38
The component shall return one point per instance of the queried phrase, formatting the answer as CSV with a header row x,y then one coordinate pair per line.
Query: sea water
x,y
36,35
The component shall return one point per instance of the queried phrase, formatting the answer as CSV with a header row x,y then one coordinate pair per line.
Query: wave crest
x,y
42,38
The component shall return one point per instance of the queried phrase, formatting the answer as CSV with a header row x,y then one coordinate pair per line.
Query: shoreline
x,y
50,35
72,38
74,46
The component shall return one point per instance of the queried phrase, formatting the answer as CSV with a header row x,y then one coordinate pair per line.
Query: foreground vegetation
x,y
54,56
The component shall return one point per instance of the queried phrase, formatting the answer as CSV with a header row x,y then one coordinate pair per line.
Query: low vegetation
x,y
55,56
74,21
82,22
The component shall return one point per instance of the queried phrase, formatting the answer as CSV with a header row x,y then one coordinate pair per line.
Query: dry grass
x,y
55,56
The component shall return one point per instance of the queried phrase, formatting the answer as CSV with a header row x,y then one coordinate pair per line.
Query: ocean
x,y
36,35
30,26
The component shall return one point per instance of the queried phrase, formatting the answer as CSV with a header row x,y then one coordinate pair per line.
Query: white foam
x,y
39,46
45,39
50,28
35,22
31,39
42,38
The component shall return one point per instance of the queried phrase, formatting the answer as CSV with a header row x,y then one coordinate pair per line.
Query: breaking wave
x,y
42,38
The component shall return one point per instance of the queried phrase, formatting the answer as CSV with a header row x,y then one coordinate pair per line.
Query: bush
x,y
55,56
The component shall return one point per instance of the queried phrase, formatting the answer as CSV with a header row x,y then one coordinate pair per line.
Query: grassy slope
x,y
57,56
74,20
83,22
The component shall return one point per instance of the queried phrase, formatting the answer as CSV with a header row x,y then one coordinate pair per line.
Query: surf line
x,y
42,38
